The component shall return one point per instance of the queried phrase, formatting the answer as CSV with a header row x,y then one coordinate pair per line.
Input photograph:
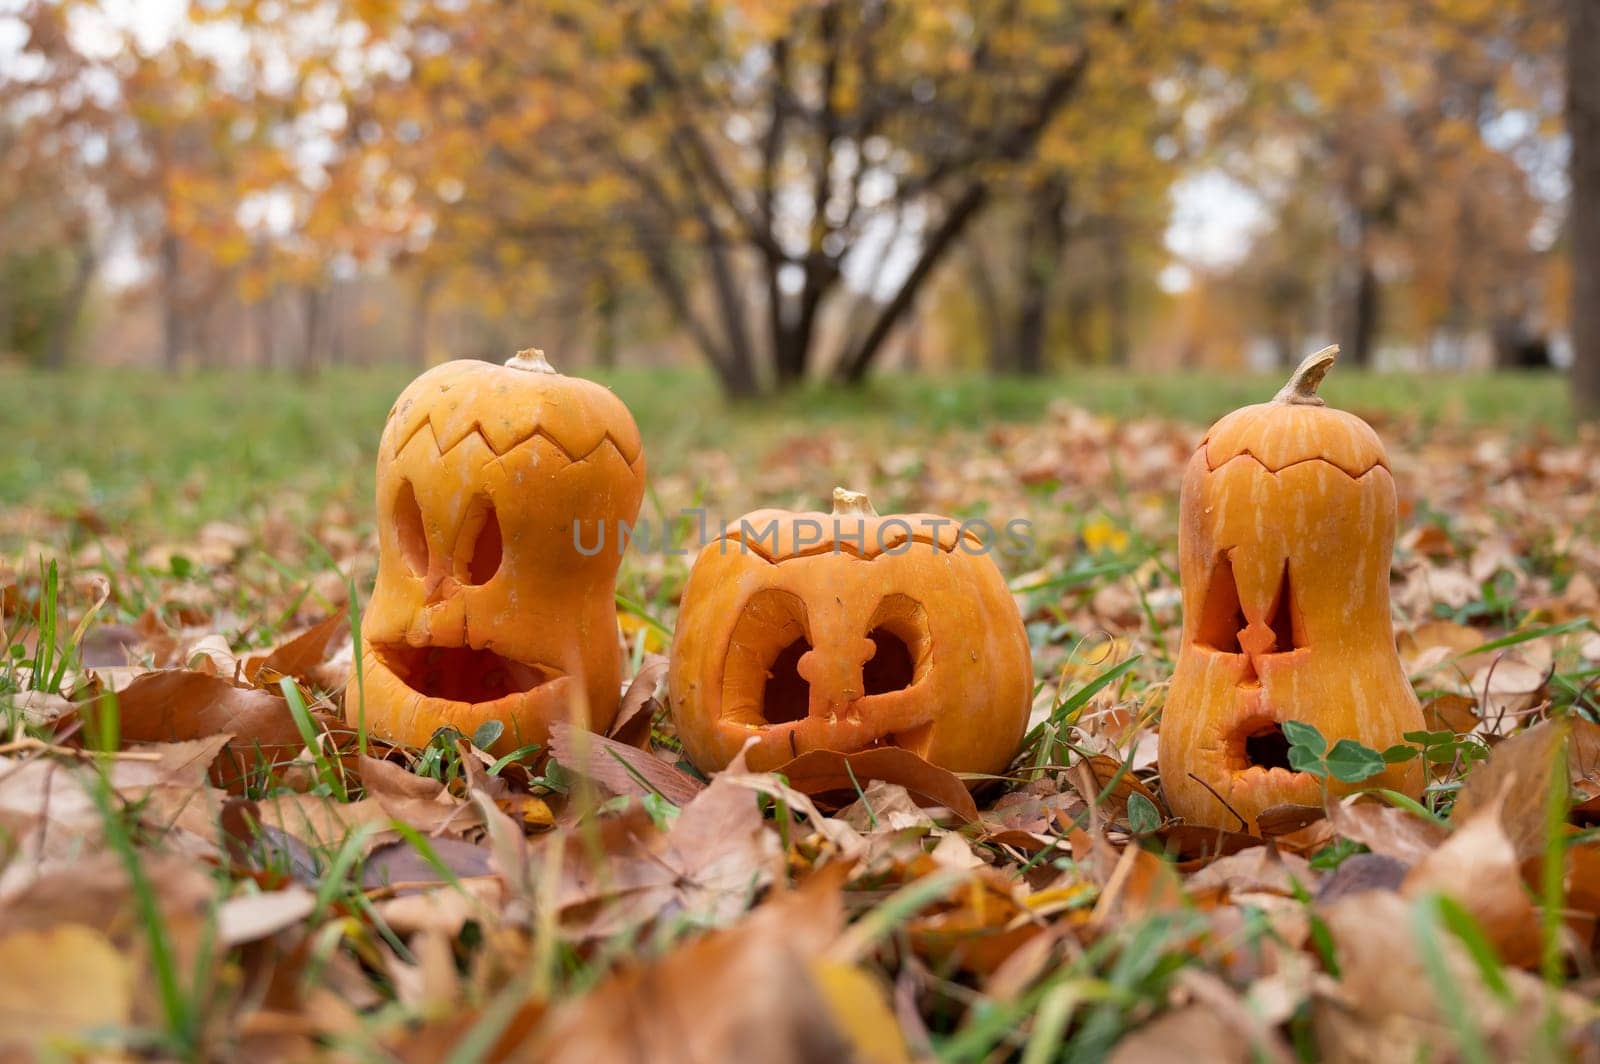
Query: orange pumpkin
x,y
1287,520
843,631
485,607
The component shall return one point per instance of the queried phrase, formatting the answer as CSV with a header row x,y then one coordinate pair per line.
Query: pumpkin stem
x,y
1302,386
855,503
531,359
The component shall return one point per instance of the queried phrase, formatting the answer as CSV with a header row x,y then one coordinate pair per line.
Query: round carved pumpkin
x,y
485,607
844,631
1286,529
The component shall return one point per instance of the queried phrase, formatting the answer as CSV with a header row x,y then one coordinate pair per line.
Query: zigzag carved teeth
x,y
1299,461
536,433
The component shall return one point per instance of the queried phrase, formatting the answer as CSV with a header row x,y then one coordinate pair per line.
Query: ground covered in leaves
x,y
210,864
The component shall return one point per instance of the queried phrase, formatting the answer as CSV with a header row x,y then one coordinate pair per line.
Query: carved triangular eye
x,y
409,527
479,548
1221,618
1283,618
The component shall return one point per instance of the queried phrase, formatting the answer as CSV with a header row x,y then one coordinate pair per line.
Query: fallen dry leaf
x,y
621,768
829,772
301,657
639,703
1385,829
177,704
249,917
749,992
1478,866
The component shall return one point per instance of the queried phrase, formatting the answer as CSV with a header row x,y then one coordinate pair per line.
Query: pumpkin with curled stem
x,y
844,631
491,604
1286,530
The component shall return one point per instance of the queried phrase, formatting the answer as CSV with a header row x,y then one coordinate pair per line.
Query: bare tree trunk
x,y
606,313
1044,240
1118,345
421,316
171,311
1358,324
1583,212
1362,326
262,312
1080,324
990,306
853,367
71,309
313,308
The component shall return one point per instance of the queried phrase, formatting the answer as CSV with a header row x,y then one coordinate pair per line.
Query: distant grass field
x,y
169,454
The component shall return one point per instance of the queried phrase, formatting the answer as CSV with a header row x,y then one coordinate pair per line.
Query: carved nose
x,y
439,586
834,674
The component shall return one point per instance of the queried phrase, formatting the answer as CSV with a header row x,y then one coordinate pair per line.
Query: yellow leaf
x,y
857,1007
61,984
654,642
1101,536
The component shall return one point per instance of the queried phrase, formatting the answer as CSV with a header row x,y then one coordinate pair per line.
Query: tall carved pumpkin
x,y
1286,529
486,608
843,631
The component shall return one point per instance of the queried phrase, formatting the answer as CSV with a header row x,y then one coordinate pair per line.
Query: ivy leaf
x,y
1306,737
488,734
1301,759
1306,747
1399,752
1350,762
1143,816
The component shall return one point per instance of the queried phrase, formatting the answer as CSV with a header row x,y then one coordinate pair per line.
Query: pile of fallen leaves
x,y
198,858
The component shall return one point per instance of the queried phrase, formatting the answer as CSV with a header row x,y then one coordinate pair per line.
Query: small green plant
x,y
1346,761
1143,816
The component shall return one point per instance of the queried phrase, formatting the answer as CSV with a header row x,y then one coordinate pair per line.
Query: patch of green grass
x,y
177,452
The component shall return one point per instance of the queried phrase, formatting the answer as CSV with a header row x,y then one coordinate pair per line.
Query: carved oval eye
x,y
890,668
900,636
408,524
483,546
762,685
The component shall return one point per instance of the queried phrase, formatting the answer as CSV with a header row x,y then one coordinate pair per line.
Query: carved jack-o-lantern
x,y
844,631
485,606
1287,521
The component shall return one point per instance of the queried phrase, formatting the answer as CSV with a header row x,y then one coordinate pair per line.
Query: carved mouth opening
x,y
461,674
1265,746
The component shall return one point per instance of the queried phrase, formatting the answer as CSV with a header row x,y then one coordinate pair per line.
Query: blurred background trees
x,y
801,189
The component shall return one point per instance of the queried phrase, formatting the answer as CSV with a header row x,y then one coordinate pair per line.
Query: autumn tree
x,y
1395,117
53,161
159,147
786,176
1583,129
